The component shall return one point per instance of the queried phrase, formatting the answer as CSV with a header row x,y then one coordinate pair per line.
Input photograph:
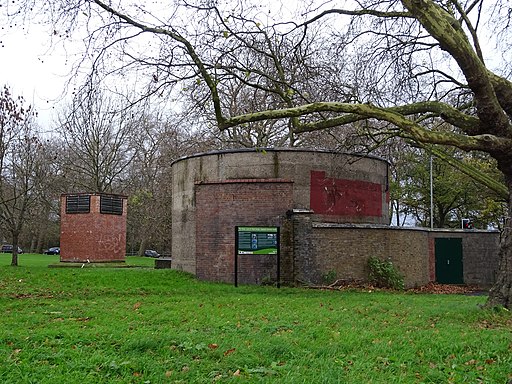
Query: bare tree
x,y
23,167
164,139
98,137
43,230
147,175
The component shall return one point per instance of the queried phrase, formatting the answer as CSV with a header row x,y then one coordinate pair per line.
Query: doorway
x,y
449,268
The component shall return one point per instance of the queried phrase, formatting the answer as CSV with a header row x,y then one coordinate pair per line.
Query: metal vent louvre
x,y
78,204
112,205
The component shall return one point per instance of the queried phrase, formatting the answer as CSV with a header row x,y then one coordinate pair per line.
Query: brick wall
x,y
322,249
213,193
92,237
345,251
223,205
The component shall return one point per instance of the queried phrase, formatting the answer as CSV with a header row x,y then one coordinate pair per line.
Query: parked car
x,y
7,248
52,251
151,253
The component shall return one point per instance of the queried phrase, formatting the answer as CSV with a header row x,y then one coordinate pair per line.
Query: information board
x,y
257,240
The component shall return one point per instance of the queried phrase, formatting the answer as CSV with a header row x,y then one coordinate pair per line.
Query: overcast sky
x,y
33,68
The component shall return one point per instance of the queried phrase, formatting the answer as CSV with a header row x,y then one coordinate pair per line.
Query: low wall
x,y
342,250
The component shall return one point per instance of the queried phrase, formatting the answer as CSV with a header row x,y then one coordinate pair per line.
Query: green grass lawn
x,y
141,325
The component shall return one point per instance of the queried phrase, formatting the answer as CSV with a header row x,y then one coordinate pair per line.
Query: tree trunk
x,y
14,259
501,292
40,239
142,247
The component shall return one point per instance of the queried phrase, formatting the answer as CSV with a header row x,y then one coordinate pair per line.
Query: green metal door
x,y
449,261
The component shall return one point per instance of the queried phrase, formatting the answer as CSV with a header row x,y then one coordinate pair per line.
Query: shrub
x,y
329,277
383,274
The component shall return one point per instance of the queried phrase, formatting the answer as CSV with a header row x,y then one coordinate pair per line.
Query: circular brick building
x,y
215,192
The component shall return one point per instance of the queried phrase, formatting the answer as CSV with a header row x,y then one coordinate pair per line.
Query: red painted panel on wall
x,y
342,197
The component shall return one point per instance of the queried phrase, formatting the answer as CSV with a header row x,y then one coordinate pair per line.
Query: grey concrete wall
x,y
183,248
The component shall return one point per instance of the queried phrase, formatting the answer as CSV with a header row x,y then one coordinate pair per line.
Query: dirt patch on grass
x,y
450,289
433,288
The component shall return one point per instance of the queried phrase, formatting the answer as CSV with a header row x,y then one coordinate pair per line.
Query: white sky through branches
x,y
34,63
34,69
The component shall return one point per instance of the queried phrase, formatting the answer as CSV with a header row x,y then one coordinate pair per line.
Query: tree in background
x,y
99,137
148,177
164,138
23,166
455,194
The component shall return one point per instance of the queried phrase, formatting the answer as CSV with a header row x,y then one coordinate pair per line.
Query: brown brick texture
x,y
220,207
92,237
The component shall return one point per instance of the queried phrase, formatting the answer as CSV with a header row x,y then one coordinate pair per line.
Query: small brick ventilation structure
x,y
93,228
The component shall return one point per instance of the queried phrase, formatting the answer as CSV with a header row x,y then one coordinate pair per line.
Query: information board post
x,y
236,257
257,241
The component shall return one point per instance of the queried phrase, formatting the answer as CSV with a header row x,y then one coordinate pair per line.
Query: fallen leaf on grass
x,y
450,289
213,346
137,305
80,318
229,351
237,373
